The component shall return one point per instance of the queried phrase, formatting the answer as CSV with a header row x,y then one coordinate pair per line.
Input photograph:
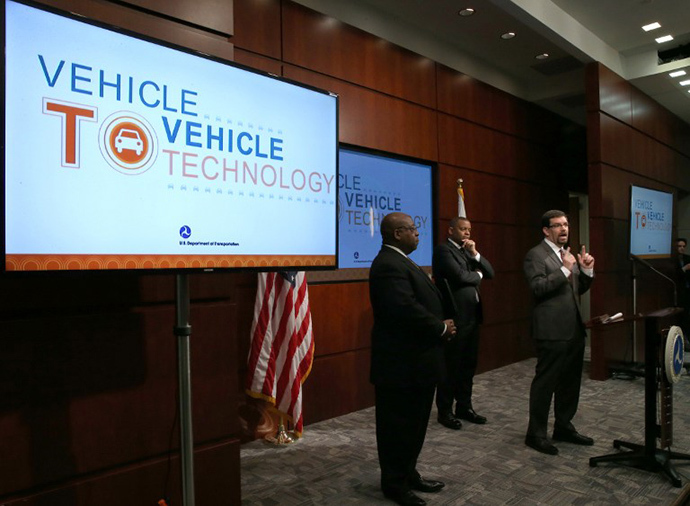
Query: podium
x,y
647,456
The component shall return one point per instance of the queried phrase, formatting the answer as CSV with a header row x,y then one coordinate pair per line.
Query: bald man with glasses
x,y
556,279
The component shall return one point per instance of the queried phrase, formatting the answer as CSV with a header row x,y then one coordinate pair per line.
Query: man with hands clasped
x,y
459,269
556,278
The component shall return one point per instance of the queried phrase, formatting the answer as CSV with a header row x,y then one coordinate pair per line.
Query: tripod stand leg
x,y
617,443
664,460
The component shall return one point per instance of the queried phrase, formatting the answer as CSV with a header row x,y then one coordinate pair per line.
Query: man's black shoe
x,y
541,445
448,420
471,416
404,498
572,437
422,485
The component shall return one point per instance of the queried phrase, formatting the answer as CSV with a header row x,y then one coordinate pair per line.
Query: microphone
x,y
650,266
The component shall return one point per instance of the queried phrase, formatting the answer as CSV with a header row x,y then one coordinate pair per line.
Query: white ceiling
x,y
572,32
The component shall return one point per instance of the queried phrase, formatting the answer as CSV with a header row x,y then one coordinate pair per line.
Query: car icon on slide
x,y
129,139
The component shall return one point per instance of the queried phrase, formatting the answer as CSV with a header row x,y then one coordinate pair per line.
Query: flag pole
x,y
461,200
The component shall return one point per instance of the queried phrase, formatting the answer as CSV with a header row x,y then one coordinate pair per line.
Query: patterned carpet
x,y
335,462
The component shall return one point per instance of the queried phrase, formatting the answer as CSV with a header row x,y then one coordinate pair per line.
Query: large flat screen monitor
x,y
651,222
371,185
127,153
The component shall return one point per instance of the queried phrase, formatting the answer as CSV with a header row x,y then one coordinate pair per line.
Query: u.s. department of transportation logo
x,y
674,355
128,143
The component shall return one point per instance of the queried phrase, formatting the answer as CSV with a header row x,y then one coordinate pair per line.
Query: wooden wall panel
x,y
314,41
504,344
503,305
338,384
144,483
615,95
375,120
649,118
213,15
148,24
612,237
659,123
610,346
258,62
614,187
468,145
465,97
520,203
616,142
84,393
341,317
632,140
258,37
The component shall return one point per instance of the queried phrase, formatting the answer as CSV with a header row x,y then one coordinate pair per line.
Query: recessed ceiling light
x,y
665,38
651,26
685,83
542,56
508,35
466,12
677,73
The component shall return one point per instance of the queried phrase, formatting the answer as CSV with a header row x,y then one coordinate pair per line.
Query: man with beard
x,y
556,279
406,358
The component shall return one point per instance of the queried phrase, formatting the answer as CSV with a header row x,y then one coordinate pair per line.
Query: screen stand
x,y
183,331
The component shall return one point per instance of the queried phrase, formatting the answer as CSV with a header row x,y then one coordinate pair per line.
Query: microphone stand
x,y
635,370
651,267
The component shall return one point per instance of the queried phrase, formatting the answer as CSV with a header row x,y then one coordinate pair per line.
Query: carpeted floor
x,y
336,463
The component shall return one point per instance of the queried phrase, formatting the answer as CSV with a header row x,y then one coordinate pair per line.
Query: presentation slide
x,y
370,187
121,153
651,223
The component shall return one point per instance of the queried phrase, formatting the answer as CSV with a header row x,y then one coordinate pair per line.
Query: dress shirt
x,y
557,249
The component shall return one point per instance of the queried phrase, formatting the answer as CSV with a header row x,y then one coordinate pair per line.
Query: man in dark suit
x,y
458,269
406,358
556,279
683,285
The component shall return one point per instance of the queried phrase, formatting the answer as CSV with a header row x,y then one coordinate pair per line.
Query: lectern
x,y
647,456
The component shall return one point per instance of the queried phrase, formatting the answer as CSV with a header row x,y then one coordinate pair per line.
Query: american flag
x,y
282,345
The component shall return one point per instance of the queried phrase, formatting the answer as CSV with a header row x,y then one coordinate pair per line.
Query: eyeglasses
x,y
559,225
411,228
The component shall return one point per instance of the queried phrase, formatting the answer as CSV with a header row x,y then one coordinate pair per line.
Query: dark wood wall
x,y
88,365
392,100
631,140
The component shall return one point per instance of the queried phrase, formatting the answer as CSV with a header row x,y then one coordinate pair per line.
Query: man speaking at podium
x,y
556,279
406,358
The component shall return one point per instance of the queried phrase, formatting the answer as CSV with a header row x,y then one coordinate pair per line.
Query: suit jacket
x,y
556,314
406,340
682,277
455,270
